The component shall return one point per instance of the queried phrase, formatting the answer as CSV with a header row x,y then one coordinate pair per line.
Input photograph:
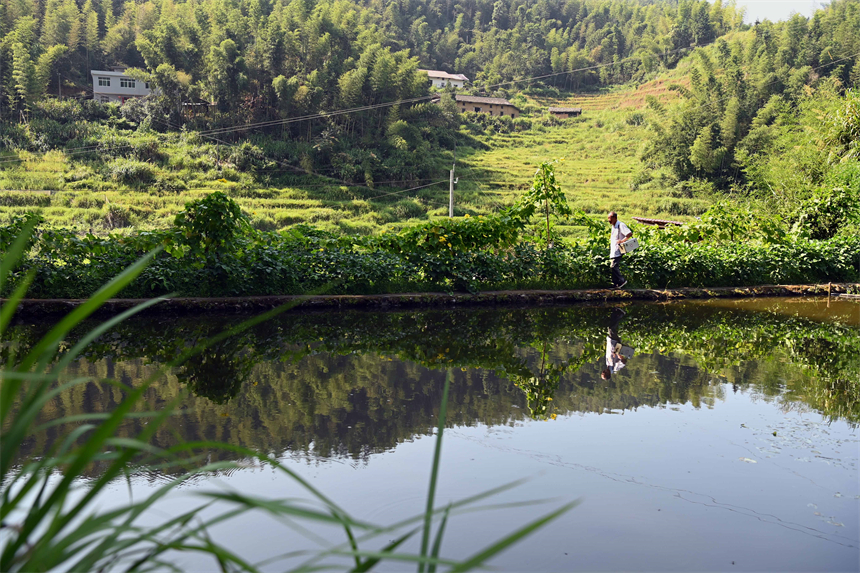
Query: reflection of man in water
x,y
617,353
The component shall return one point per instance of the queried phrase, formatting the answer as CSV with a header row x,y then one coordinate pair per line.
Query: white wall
x,y
115,91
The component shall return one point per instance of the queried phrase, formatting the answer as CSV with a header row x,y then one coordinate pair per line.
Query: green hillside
x,y
600,151
683,105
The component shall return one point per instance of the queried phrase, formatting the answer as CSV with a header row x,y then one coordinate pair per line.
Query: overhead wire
x,y
210,134
335,113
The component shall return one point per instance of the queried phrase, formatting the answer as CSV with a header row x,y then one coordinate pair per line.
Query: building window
x,y
147,85
105,99
477,109
126,83
104,81
501,113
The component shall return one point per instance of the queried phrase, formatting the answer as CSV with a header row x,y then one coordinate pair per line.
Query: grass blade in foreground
x,y
434,472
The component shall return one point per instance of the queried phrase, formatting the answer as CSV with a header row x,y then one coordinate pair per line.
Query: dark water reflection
x,y
351,384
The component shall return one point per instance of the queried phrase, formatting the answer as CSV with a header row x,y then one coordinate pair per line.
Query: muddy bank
x,y
195,305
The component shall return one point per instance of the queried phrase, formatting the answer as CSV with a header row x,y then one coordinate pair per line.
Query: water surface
x,y
723,436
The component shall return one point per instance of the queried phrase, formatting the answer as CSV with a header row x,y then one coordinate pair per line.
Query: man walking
x,y
620,233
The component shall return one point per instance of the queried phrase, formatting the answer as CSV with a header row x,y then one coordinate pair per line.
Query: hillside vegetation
x,y
683,106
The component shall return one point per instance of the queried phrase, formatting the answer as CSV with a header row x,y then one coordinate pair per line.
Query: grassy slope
x,y
600,150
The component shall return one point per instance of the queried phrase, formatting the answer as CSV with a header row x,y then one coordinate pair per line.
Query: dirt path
x,y
194,305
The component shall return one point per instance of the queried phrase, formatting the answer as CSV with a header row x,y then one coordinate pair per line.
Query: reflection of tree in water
x,y
218,371
540,388
357,383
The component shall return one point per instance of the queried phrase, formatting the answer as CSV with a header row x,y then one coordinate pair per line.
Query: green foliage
x,y
131,172
829,211
212,224
723,223
9,233
213,251
844,135
766,109
545,190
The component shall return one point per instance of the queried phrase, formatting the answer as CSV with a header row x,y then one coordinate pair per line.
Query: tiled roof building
x,y
492,105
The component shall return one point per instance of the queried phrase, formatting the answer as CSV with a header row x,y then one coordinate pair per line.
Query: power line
x,y
210,134
335,113
408,190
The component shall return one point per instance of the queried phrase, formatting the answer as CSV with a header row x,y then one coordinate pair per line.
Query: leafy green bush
x,y
832,208
131,172
636,118
213,250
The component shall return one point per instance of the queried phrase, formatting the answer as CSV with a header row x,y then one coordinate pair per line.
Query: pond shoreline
x,y
199,305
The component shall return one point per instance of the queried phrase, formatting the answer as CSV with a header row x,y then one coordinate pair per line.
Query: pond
x,y
716,435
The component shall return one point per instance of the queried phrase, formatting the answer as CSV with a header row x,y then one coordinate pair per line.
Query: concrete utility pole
x,y
451,182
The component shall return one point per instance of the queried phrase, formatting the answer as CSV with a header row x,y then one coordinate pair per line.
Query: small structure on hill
x,y
658,222
197,107
565,112
491,105
441,79
115,86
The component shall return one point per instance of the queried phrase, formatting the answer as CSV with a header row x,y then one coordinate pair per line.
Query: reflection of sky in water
x,y
677,467
674,488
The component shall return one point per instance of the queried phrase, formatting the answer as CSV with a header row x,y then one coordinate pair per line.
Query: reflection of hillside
x,y
356,383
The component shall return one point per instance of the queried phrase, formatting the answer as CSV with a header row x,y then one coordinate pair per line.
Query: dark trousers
x,y
615,267
614,320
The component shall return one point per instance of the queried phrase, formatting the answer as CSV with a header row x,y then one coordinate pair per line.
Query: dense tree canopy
x,y
278,61
261,57
755,97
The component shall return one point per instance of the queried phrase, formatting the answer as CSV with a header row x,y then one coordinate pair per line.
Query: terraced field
x,y
623,97
600,151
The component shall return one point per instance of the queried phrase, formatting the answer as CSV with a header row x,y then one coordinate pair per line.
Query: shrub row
x,y
211,250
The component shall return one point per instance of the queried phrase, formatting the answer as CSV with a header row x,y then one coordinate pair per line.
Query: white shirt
x,y
617,354
619,230
613,355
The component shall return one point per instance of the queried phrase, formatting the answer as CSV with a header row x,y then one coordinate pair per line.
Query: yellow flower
x,y
467,215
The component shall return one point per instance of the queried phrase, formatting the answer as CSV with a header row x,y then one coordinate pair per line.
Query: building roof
x,y
565,110
440,75
106,73
482,99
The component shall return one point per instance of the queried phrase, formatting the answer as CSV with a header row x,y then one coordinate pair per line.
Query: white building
x,y
442,79
116,86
